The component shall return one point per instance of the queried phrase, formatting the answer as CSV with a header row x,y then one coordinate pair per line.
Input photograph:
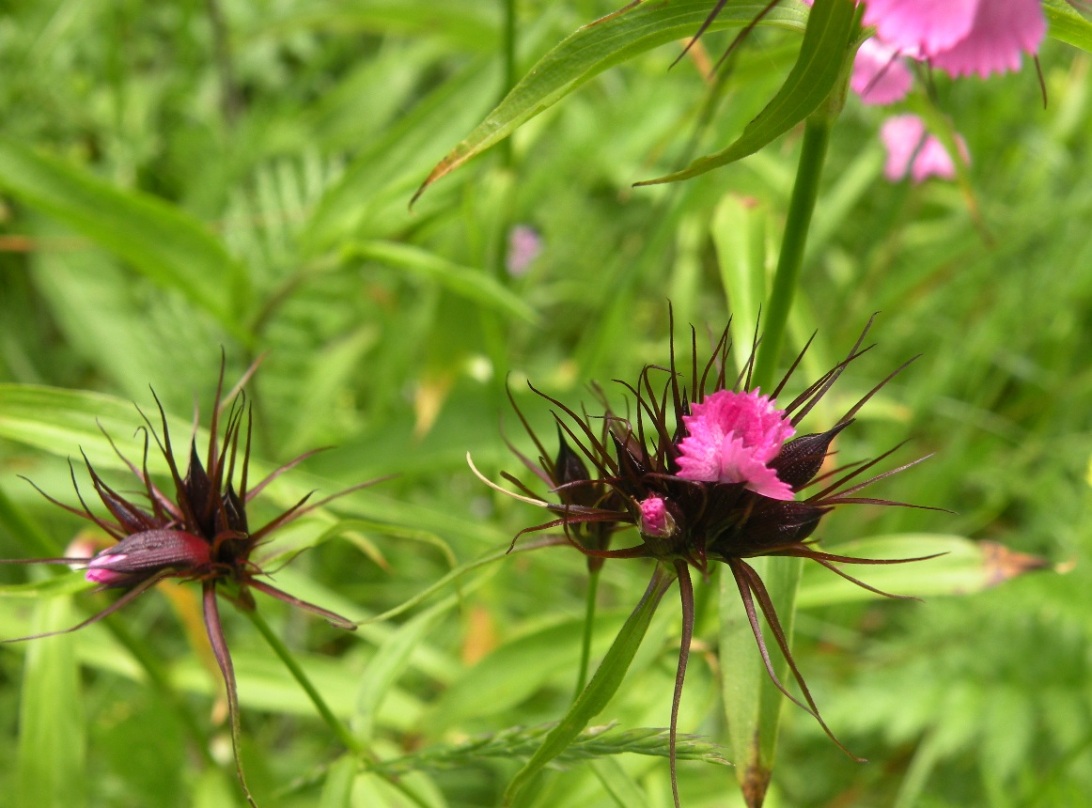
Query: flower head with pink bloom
x,y
910,150
706,470
961,37
731,437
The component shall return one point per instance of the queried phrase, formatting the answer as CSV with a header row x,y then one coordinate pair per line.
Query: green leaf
x,y
739,229
752,703
64,421
604,684
390,662
963,567
157,239
51,587
51,756
382,174
628,32
820,69
619,785
512,673
337,790
1067,25
470,283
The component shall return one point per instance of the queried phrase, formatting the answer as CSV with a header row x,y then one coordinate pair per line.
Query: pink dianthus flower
x,y
731,437
960,37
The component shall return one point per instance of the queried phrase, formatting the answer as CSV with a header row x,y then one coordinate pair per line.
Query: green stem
x,y
348,740
589,623
804,193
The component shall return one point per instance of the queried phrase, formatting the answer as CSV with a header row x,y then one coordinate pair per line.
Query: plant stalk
x,y
805,191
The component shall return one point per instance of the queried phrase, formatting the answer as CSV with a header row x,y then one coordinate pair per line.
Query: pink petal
x,y
879,75
901,135
911,151
1002,31
924,26
730,439
932,160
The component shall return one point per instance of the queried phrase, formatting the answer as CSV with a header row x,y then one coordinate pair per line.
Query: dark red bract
x,y
200,534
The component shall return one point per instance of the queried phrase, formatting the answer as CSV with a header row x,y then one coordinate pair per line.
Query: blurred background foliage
x,y
185,178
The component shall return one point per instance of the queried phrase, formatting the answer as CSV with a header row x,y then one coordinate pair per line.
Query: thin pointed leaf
x,y
604,684
156,238
628,32
337,791
389,663
618,783
752,703
818,71
1067,25
963,567
470,283
51,757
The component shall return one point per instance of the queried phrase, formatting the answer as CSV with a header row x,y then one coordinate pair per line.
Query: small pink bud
x,y
656,520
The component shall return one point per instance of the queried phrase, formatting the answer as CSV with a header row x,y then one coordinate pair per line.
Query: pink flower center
x,y
731,437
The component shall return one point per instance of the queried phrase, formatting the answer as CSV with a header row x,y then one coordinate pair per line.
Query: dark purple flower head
x,y
707,469
201,533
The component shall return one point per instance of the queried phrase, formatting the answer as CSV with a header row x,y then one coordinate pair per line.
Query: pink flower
x,y
911,150
524,246
731,437
960,37
879,75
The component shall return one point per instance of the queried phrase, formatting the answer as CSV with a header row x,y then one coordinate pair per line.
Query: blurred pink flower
x,y
880,76
730,438
911,151
524,246
960,37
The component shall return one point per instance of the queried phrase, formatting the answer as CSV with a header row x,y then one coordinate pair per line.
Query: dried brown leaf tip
x,y
707,469
200,533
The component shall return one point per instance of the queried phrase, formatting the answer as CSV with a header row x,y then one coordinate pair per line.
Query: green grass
x,y
159,205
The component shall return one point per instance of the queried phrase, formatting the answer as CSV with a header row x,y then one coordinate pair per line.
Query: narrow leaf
x,y
155,238
628,32
1067,25
752,703
604,684
51,756
823,58
963,567
472,284
390,661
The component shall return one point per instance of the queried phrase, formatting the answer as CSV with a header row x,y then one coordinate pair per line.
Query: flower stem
x,y
805,191
589,622
348,740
